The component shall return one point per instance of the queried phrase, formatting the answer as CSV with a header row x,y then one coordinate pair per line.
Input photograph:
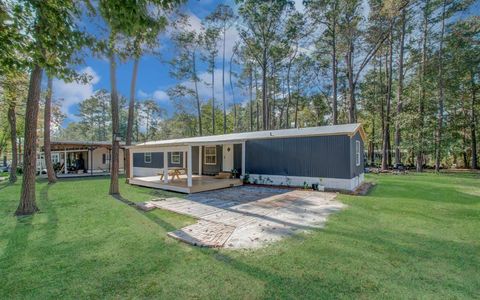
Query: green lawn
x,y
414,236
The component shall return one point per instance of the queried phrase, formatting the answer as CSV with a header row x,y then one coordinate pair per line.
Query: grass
x,y
414,236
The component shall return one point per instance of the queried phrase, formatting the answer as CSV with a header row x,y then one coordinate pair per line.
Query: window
x,y
55,158
106,158
210,155
147,157
357,152
175,157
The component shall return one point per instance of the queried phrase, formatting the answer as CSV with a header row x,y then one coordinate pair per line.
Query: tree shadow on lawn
x,y
149,215
19,249
37,263
5,184
373,262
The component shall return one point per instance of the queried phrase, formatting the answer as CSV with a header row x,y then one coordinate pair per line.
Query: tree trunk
x,y
386,131
351,85
272,93
46,133
223,85
334,75
213,96
131,104
441,96
421,108
264,90
235,122
114,187
473,125
398,159
12,120
289,100
195,80
251,98
372,154
256,101
296,108
464,152
27,205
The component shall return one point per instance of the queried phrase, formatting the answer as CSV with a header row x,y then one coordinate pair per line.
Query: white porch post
x,y
65,161
165,166
200,160
243,159
130,163
189,166
184,158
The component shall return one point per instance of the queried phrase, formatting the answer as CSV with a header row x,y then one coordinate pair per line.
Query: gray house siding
x,y
157,160
195,150
237,157
354,169
322,156
213,169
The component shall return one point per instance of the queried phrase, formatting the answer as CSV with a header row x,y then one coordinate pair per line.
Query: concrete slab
x,y
250,216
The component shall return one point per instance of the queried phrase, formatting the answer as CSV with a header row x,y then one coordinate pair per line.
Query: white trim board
x,y
299,181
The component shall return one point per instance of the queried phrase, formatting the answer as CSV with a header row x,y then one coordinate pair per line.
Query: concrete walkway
x,y
249,216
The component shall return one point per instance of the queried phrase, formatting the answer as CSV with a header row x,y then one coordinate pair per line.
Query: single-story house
x,y
66,154
328,156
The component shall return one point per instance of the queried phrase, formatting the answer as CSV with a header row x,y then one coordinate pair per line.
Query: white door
x,y
227,157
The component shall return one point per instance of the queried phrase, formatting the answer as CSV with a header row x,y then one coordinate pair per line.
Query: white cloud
x,y
299,5
231,37
75,92
142,94
160,95
205,88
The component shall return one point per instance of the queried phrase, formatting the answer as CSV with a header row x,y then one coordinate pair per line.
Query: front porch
x,y
196,162
198,183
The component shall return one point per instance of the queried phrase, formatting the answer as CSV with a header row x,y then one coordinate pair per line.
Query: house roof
x,y
83,144
344,129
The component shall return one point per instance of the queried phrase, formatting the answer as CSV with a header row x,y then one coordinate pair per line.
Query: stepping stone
x,y
146,206
204,233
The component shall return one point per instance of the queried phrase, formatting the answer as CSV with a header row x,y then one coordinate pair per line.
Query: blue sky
x,y
153,76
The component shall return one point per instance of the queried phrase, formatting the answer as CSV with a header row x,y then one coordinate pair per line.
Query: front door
x,y
227,158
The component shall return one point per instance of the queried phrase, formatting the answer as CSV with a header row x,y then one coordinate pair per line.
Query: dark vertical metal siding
x,y
356,170
237,157
213,169
157,160
321,156
195,153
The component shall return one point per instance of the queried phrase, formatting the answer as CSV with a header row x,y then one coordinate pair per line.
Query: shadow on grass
x,y
157,220
19,237
5,184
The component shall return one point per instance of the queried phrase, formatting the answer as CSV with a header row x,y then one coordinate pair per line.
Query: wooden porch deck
x,y
199,183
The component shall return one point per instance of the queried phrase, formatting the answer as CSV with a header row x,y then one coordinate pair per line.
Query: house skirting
x,y
300,181
144,172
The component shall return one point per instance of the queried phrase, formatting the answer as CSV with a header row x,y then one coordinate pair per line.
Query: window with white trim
x,y
357,153
176,157
147,157
210,156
